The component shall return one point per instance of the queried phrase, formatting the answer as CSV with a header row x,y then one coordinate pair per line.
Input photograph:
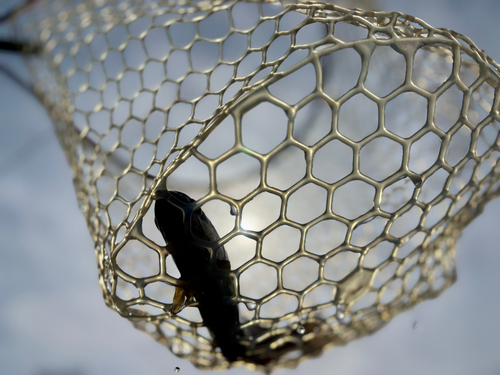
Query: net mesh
x,y
339,154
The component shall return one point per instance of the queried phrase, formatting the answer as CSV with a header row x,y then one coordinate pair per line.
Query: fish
x,y
205,269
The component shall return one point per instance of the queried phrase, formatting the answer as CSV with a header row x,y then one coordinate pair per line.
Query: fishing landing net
x,y
339,154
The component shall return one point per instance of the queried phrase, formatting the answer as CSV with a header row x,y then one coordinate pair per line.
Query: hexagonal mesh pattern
x,y
338,153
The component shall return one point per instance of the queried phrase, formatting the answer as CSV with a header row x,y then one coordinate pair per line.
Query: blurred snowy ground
x,y
54,321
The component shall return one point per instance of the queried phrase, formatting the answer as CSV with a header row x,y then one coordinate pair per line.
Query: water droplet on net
x,y
417,181
301,329
233,210
251,305
340,312
177,369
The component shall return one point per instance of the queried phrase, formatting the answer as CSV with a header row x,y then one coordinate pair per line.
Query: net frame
x,y
384,28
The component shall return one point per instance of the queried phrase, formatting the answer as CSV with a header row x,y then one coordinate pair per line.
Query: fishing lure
x,y
191,239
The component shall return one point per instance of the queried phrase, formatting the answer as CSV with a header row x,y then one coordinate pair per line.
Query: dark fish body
x,y
190,235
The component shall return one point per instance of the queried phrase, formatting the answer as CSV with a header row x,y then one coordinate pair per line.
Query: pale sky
x,y
52,316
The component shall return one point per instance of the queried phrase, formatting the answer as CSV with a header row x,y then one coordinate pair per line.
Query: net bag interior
x,y
338,153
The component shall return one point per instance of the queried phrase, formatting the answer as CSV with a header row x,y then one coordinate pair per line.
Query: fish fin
x,y
179,298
